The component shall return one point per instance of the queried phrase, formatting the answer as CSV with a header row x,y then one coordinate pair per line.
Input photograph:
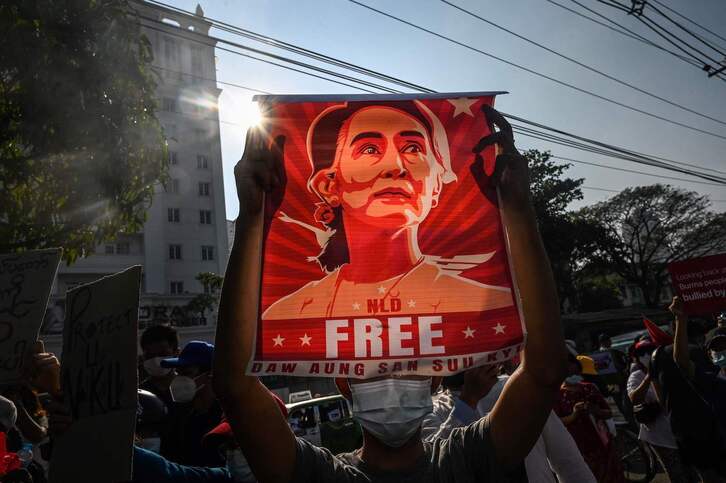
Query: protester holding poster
x,y
390,409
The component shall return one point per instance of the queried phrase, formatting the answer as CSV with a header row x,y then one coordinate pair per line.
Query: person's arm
x,y
520,413
577,411
563,454
28,427
680,338
259,426
638,390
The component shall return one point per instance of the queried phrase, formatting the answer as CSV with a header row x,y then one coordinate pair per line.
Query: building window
x,y
205,217
173,215
207,252
175,252
170,131
173,186
202,162
199,134
110,250
123,248
173,159
171,50
196,53
168,104
204,189
176,288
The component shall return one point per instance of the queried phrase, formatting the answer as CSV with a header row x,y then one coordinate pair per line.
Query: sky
x,y
350,32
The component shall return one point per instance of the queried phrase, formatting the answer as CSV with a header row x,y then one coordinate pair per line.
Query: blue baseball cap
x,y
195,353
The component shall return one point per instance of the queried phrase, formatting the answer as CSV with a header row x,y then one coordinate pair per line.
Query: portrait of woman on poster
x,y
378,170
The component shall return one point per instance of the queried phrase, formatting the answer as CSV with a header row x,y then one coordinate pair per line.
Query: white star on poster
x,y
412,303
305,340
356,306
381,289
469,332
462,105
278,341
499,328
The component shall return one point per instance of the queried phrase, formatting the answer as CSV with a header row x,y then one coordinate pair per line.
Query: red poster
x,y
386,255
701,283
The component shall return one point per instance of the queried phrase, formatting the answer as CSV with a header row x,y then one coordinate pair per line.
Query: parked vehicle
x,y
327,422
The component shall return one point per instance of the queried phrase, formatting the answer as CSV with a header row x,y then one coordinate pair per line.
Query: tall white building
x,y
186,230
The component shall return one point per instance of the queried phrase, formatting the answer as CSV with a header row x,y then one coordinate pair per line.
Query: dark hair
x,y
453,382
159,333
603,338
323,139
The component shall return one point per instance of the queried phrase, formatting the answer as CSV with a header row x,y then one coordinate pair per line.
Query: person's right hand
x,y
43,370
677,308
261,170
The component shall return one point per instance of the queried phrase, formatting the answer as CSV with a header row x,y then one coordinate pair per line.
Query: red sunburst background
x,y
465,221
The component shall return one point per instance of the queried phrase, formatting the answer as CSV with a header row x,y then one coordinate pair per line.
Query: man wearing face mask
x,y
194,410
392,409
157,343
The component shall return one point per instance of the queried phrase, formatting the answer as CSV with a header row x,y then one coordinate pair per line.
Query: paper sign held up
x,y
25,283
386,252
701,283
99,380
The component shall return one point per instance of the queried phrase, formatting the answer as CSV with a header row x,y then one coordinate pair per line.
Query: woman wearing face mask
x,y
584,410
717,350
655,426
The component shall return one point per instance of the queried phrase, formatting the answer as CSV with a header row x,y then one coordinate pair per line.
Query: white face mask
x,y
644,360
153,367
183,388
152,444
392,409
573,379
238,467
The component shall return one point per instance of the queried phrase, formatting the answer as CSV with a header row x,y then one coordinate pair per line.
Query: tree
x,y
80,147
641,230
207,300
562,233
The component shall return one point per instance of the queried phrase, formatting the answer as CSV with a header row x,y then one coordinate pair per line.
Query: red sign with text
x,y
701,283
387,252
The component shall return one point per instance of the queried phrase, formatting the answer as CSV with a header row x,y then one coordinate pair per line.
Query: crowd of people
x,y
545,417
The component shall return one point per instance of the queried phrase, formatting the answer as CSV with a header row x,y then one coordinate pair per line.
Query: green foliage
x,y
202,302
552,192
597,293
640,230
80,147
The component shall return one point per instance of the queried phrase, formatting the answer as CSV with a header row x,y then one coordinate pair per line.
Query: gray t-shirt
x,y
467,455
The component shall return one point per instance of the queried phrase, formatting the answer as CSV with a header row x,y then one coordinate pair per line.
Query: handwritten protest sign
x,y
99,379
386,253
25,283
701,283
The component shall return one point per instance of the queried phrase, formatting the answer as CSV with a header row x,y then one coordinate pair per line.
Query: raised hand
x,y
261,170
511,174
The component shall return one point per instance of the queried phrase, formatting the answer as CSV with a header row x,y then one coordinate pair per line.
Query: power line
x,y
581,64
623,30
688,19
688,31
270,62
665,34
632,157
277,43
538,74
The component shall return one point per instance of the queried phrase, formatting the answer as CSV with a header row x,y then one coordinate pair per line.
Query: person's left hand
x,y
478,382
511,171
